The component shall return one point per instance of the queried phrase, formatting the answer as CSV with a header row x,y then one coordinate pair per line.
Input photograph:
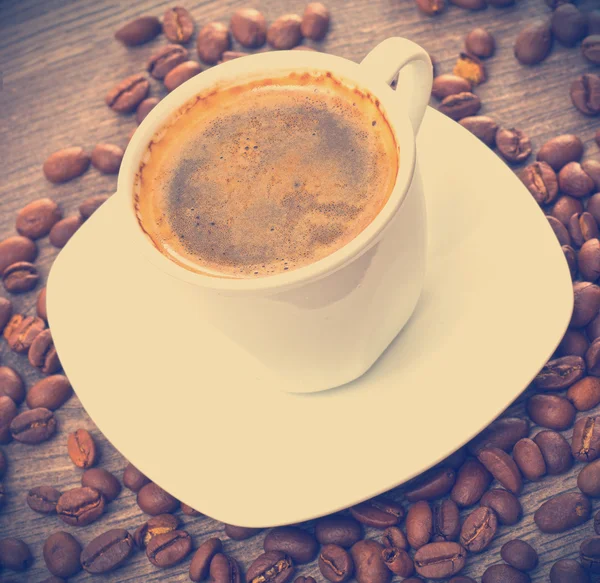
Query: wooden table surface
x,y
58,58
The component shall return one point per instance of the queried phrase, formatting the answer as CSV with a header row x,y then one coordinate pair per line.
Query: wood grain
x,y
58,59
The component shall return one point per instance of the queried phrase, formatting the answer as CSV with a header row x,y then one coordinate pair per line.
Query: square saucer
x,y
210,424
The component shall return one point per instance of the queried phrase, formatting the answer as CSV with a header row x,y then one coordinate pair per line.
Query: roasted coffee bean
x,y
145,107
585,443
335,563
213,40
504,574
397,561
519,554
528,457
249,27
590,48
51,392
378,512
295,542
592,169
586,297
89,206
15,554
6,312
470,68
128,94
431,7
582,227
271,567
561,150
533,43
571,258
551,411
178,24
588,480
563,512
66,164
340,530
565,207
393,537
80,506
43,499
103,481
589,554
446,85
505,504
568,571
168,549
574,181
483,127
315,21
21,331
585,94
180,74
556,451
592,358
153,500
138,31
481,43
541,180
569,25
42,354
230,55
160,524
11,384
240,532
134,479
202,558
369,566
61,554
166,59
585,394
472,481
560,373
16,249
81,448
432,486
224,569
446,521
574,343
419,524
456,459
514,146
440,560
460,105
189,511
20,277
285,32
107,158
8,411
33,426
502,433
478,529
107,552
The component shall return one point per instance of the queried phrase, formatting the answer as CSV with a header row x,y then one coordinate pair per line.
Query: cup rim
x,y
248,68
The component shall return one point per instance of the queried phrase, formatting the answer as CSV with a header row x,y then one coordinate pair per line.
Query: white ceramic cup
x,y
325,324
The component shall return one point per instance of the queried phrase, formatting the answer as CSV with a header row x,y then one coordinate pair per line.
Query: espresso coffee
x,y
266,177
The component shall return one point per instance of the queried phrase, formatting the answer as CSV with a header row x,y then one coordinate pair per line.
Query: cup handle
x,y
415,73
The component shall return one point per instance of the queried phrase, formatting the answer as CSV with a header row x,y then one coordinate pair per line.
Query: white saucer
x,y
209,424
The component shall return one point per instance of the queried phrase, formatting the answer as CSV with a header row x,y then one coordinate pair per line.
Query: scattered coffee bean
x,y
556,451
574,181
295,542
249,27
505,504
592,358
481,43
568,571
440,560
21,331
528,457
478,529
62,231
433,485
8,411
589,554
42,354
240,532
520,555
15,554
230,55
134,479
569,25
483,127
103,481
419,524
565,207
585,394
514,146
431,7
66,164
561,150
590,48
398,561
107,552
189,511
87,209
51,392
571,258
315,21
224,569
446,85
81,448
470,68
393,537
213,40
165,60
180,74
128,94
378,512
588,480
335,563
271,567
144,108
541,180
36,219
563,512
11,384
160,524
343,531
446,521
583,227
369,566
43,499
61,554
153,500
502,433
33,426
285,32
586,295
573,343
460,105
472,481
178,24
533,43
168,549
592,169
107,158
139,31
551,411
80,506
202,558
504,574
16,249
585,443
560,373
585,94
20,277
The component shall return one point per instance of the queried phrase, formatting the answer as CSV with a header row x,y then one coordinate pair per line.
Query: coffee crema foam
x,y
266,177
